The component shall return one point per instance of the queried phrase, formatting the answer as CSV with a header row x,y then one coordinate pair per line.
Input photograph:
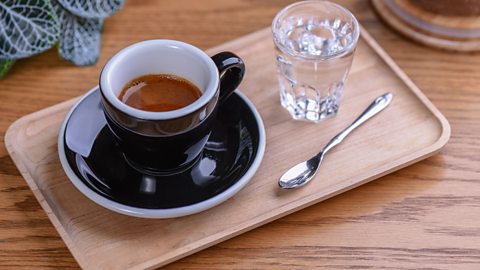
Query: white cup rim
x,y
207,95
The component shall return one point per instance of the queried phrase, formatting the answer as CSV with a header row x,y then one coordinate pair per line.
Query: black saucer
x,y
94,162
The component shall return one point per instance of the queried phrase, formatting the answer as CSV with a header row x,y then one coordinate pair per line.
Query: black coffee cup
x,y
171,141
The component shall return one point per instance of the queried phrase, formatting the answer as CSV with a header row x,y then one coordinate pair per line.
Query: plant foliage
x,y
92,9
5,65
29,27
26,27
79,40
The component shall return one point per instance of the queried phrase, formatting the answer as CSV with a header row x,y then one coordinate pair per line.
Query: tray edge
x,y
445,125
10,133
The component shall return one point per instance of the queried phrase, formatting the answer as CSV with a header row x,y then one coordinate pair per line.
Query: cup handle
x,y
231,69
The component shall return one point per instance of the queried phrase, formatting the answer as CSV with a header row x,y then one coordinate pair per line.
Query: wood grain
x,y
424,216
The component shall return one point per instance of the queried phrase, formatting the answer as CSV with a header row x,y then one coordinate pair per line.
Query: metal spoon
x,y
302,173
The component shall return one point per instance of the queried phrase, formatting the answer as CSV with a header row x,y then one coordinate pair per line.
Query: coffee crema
x,y
159,93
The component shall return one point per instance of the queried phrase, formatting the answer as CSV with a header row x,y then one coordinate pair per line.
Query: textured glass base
x,y
306,103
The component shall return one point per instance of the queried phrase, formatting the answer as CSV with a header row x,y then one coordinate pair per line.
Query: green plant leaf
x,y
27,27
5,65
80,38
93,9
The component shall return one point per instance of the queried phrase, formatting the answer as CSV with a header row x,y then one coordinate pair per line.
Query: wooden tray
x,y
409,130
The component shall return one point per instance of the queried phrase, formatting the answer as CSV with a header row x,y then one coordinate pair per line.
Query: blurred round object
x,y
450,7
445,24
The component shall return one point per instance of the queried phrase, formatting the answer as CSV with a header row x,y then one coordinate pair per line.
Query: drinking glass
x,y
315,42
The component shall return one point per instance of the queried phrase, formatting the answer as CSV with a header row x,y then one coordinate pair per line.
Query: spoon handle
x,y
377,106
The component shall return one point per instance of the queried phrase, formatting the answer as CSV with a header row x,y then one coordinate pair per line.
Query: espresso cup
x,y
170,141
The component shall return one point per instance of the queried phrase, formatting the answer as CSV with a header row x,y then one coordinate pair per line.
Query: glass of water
x,y
315,41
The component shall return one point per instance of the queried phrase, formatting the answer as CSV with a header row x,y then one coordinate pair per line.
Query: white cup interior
x,y
159,57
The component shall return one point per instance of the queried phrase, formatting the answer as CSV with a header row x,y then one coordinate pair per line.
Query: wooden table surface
x,y
424,216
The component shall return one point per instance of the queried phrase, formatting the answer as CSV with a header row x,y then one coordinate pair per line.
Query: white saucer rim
x,y
171,212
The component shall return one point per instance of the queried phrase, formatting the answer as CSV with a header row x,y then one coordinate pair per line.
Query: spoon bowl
x,y
301,173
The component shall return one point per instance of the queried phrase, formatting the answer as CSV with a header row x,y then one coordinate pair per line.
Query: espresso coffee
x,y
159,93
